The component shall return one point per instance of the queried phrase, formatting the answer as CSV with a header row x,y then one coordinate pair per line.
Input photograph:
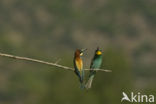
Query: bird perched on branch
x,y
95,65
78,65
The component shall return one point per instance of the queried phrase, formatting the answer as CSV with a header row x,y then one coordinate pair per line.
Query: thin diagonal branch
x,y
43,62
58,61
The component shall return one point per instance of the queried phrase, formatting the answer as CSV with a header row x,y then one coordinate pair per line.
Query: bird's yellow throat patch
x,y
81,54
98,52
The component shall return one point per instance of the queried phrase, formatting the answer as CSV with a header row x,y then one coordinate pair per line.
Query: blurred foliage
x,y
52,29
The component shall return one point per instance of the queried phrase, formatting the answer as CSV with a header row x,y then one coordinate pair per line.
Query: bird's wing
x,y
92,63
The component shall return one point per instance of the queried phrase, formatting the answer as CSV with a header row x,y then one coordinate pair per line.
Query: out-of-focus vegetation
x,y
53,29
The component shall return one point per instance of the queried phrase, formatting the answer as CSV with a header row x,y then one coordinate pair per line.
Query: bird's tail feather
x,y
89,83
82,86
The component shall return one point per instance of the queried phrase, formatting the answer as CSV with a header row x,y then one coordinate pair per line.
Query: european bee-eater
x,y
78,65
95,65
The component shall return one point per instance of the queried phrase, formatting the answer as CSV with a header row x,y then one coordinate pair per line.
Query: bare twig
x,y
43,62
57,61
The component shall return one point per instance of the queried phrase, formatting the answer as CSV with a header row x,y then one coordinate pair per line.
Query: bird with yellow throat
x,y
78,65
94,66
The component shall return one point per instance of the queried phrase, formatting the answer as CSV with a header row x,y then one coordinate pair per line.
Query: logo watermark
x,y
137,97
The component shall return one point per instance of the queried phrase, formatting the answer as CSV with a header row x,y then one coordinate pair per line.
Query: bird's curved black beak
x,y
82,50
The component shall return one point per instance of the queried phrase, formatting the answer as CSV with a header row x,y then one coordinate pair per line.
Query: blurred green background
x,y
52,29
